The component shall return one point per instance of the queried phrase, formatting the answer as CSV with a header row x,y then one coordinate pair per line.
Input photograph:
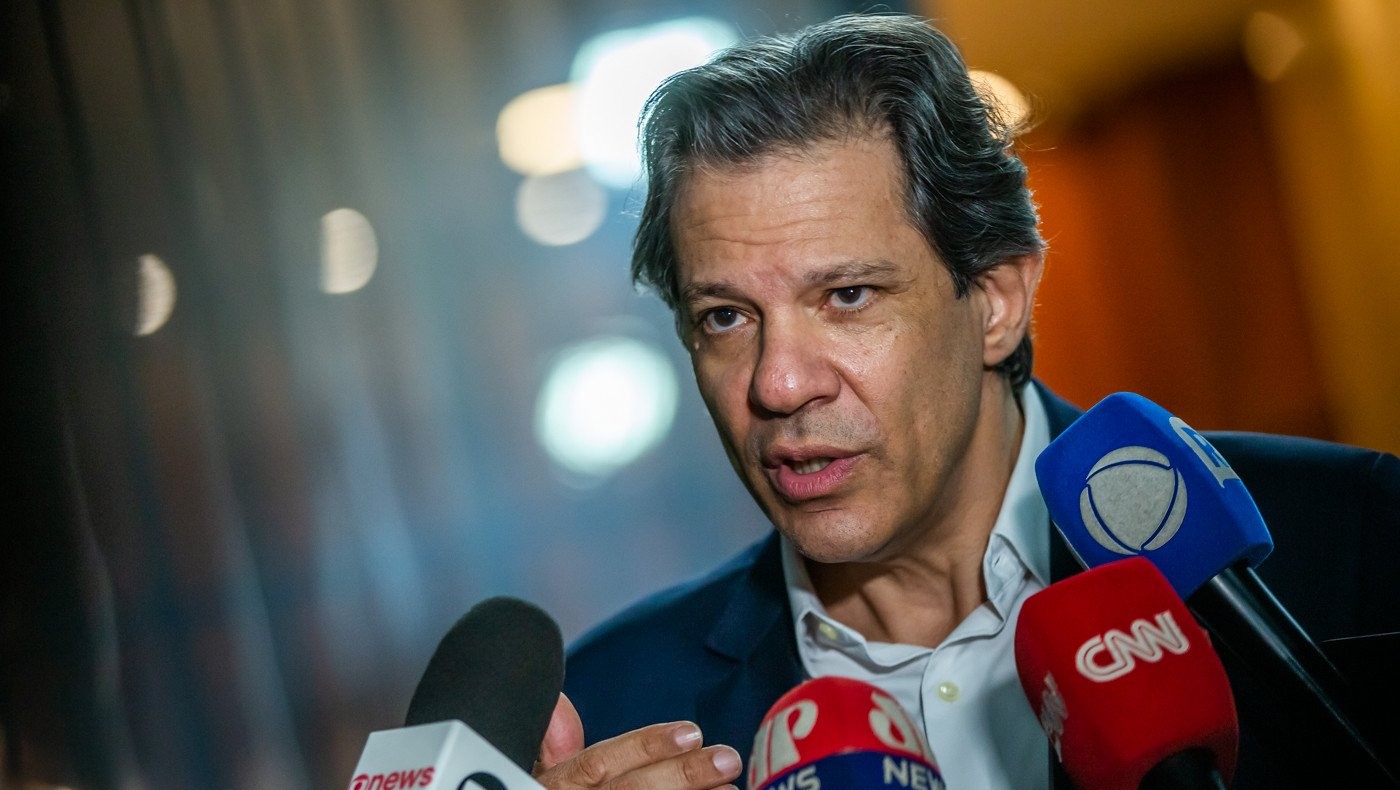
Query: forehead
x,y
835,200
840,175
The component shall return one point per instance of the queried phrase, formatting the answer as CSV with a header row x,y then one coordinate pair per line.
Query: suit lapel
x,y
1059,413
754,632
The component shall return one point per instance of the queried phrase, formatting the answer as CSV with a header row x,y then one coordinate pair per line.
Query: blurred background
x,y
318,326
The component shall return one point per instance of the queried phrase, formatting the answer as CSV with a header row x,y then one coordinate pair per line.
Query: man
x,y
846,237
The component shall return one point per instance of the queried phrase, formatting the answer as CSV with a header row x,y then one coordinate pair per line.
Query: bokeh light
x,y
560,209
536,132
1271,44
1003,94
604,403
155,294
616,71
349,251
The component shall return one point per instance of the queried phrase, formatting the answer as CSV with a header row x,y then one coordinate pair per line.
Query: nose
x,y
792,370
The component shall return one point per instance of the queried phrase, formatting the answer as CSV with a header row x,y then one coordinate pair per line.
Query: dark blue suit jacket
x,y
720,650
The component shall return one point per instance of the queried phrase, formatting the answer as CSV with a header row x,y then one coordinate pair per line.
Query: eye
x,y
851,297
721,319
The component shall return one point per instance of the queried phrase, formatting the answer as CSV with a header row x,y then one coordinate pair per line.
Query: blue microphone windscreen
x,y
1128,478
858,769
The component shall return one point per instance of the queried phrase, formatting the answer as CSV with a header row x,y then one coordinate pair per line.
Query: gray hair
x,y
965,186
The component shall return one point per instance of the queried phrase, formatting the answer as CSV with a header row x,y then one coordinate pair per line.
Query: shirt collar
x,y
807,608
1020,538
1023,522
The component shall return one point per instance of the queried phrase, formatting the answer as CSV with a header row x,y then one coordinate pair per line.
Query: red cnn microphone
x,y
840,732
1125,683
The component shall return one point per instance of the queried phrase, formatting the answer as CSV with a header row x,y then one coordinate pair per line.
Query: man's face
x,y
843,374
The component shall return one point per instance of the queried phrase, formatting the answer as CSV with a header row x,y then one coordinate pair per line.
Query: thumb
x,y
564,736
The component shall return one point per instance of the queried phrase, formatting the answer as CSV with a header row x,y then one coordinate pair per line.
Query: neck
x,y
918,593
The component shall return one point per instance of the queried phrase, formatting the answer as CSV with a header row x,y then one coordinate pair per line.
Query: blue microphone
x,y
1128,478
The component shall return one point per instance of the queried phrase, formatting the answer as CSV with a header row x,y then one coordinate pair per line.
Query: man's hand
x,y
659,757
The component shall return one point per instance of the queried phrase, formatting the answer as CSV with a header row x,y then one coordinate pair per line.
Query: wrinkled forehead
x,y
838,168
785,172
780,218
754,154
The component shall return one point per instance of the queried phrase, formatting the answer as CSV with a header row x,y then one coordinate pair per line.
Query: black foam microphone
x,y
480,712
499,670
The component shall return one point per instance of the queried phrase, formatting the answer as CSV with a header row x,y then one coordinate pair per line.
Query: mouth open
x,y
810,478
810,466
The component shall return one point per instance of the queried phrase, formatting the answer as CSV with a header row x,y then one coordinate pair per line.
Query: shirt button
x,y
829,632
948,691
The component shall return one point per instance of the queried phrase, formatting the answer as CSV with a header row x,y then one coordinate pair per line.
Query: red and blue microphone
x,y
840,732
1125,683
1130,479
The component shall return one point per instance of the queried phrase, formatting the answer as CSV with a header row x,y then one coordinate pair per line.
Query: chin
x,y
832,542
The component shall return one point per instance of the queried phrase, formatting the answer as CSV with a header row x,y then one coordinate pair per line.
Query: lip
x,y
796,487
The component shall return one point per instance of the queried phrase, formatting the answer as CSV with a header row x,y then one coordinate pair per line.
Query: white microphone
x,y
444,755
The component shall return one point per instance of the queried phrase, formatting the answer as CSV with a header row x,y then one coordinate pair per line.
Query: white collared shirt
x,y
965,690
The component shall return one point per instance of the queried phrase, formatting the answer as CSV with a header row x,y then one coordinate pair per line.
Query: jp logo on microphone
x,y
838,732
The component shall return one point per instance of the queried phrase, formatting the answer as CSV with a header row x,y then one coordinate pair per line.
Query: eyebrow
x,y
719,289
844,272
852,270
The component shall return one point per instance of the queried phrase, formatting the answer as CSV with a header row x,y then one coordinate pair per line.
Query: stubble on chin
x,y
828,536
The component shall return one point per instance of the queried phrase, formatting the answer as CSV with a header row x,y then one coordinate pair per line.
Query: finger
x,y
607,760
564,736
702,769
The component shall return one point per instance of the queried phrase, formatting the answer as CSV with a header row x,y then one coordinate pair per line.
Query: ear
x,y
1008,294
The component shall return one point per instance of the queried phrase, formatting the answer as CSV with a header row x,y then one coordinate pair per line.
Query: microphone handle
x,y
1191,769
1273,643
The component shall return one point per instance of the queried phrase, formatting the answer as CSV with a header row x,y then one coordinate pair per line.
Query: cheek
x,y
724,387
911,373
886,363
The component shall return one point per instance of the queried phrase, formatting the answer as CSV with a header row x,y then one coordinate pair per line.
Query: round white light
x,y
349,251
560,209
155,294
535,132
617,71
604,403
